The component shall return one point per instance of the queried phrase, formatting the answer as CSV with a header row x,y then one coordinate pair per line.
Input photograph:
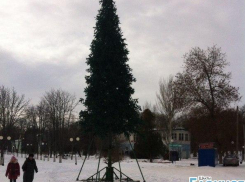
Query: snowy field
x,y
153,172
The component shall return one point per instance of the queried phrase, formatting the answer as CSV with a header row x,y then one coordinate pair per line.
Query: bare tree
x,y
204,84
168,106
12,108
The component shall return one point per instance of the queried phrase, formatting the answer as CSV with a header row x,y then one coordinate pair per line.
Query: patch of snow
x,y
158,171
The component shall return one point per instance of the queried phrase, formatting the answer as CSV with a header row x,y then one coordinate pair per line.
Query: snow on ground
x,y
159,171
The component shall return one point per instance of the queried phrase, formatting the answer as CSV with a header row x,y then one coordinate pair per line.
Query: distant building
x,y
181,142
124,143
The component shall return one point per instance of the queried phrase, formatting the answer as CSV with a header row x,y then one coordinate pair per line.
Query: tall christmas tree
x,y
110,108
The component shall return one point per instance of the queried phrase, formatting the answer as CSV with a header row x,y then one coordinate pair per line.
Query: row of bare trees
x,y
47,123
12,108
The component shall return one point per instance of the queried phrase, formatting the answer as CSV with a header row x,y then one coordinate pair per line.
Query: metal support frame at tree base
x,y
117,177
98,177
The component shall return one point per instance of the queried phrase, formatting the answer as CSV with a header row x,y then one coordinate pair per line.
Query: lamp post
x,y
171,143
8,138
41,151
71,140
45,151
27,146
232,143
21,148
39,146
31,147
25,149
78,139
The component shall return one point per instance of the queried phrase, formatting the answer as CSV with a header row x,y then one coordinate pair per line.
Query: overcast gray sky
x,y
44,44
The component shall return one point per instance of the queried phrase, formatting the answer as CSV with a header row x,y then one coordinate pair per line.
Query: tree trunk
x,y
109,169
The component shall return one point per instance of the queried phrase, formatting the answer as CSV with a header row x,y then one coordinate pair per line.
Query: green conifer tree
x,y
109,104
149,143
110,108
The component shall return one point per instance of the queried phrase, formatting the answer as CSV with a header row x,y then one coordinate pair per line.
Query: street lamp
x,y
21,147
78,139
71,140
38,146
8,138
170,145
232,143
41,151
29,146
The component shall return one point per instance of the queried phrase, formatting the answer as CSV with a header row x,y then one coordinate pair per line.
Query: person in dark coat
x,y
13,169
29,167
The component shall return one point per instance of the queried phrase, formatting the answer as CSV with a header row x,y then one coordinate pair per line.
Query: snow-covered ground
x,y
153,172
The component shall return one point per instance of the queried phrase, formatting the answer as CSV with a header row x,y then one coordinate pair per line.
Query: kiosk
x,y
207,155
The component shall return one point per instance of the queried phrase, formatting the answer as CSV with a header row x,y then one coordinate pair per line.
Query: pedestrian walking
x,y
29,167
174,159
13,169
